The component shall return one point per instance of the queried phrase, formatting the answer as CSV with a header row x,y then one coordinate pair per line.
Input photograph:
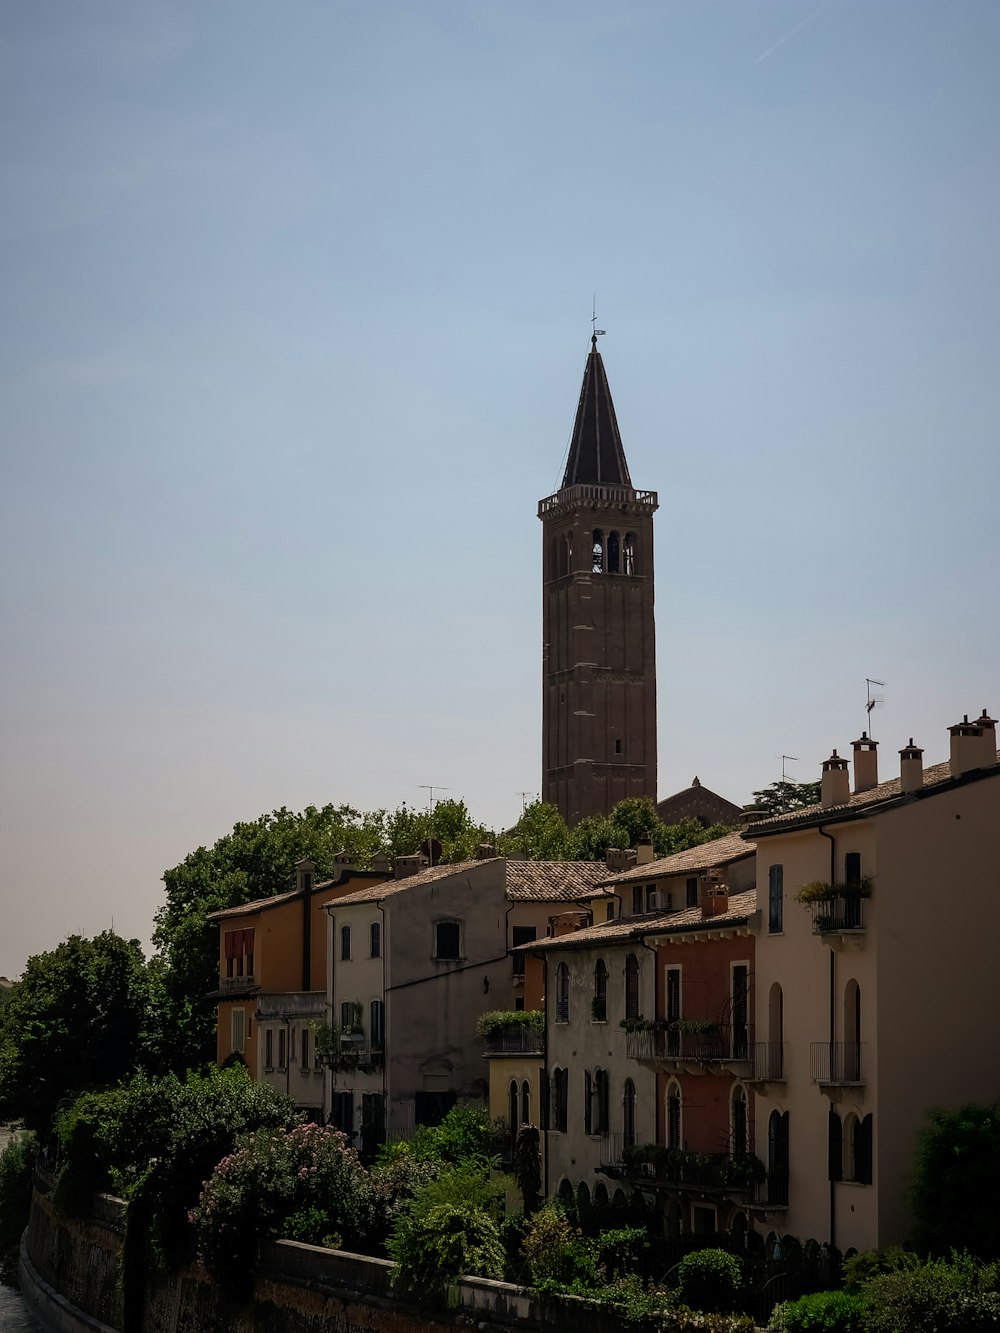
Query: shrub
x,y
956,1179
549,1234
465,1132
16,1170
687,1321
307,1179
836,1311
709,1280
941,1296
860,1268
622,1251
450,1227
495,1020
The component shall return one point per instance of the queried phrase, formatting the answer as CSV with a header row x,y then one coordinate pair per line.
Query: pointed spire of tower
x,y
596,456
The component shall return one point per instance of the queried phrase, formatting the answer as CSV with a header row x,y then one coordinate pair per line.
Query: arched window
x,y
598,563
673,1114
858,1149
628,1114
512,1109
588,1102
525,1103
614,553
562,993
835,1146
672,1219
631,986
740,1122
565,1192
582,1197
599,1008
851,1124
628,553
560,1099
601,1102
774,1055
777,1158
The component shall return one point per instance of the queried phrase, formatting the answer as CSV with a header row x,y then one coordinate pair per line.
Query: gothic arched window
x,y
598,566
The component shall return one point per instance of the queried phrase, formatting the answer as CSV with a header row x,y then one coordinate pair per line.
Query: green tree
x,y
956,1179
75,1020
780,797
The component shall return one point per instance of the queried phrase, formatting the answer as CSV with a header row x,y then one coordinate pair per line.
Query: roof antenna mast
x,y
874,700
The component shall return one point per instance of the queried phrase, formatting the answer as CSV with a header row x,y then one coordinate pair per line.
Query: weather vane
x,y
598,333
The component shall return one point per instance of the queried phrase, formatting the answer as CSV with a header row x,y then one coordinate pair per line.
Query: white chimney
x,y
644,852
911,768
835,784
865,763
973,745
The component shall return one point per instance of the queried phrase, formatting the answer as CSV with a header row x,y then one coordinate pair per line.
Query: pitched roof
x,y
737,913
391,887
555,881
596,456
885,795
276,899
718,852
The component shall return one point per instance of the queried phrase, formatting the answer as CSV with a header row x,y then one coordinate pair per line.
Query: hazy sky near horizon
x,y
294,309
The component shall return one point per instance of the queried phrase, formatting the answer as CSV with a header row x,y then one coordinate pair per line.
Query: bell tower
x,y
598,648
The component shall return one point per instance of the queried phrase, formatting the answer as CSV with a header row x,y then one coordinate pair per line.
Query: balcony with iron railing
x,y
706,1048
347,1055
515,1039
839,914
741,1177
837,1064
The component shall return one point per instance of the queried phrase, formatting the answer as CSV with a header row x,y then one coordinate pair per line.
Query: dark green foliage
x,y
942,1296
709,1280
449,1228
780,797
76,1019
465,1133
836,1311
305,1182
956,1182
495,1020
528,1167
17,1163
161,1138
869,1263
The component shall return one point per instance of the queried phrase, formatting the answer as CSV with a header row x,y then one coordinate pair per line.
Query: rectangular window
x,y
377,1025
448,940
305,1048
346,1016
345,944
673,1007
638,899
342,1111
611,910
651,903
852,870
291,1046
282,1057
375,939
775,898
521,935
691,891
269,1049
239,1030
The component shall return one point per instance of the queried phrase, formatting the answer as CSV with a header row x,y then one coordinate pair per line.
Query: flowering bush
x,y
306,1181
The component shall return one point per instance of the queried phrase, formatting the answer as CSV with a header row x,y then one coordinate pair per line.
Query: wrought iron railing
x,y
764,1062
666,1044
732,1175
842,912
837,1062
517,1039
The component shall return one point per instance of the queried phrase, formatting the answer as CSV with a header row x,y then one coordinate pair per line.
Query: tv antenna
x,y
430,790
524,799
874,700
789,759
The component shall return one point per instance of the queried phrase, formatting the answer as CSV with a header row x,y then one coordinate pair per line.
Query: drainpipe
x,y
545,1072
385,1029
833,1022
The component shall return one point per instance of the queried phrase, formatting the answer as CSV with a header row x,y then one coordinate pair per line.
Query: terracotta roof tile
x,y
555,881
718,852
934,776
738,911
389,889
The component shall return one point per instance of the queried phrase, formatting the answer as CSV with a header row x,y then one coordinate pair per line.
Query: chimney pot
x,y
865,763
973,744
835,784
911,768
644,851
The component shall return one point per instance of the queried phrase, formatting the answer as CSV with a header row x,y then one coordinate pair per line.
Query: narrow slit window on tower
x,y
618,745
614,553
598,551
628,554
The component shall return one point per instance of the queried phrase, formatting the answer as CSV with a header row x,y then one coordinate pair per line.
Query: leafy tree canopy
x,y
780,797
956,1180
76,1019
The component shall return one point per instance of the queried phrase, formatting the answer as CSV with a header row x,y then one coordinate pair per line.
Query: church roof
x,y
596,456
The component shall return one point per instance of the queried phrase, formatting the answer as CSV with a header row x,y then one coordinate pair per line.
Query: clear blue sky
x,y
295,305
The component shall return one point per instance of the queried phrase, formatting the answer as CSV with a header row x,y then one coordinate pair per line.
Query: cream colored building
x,y
882,989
